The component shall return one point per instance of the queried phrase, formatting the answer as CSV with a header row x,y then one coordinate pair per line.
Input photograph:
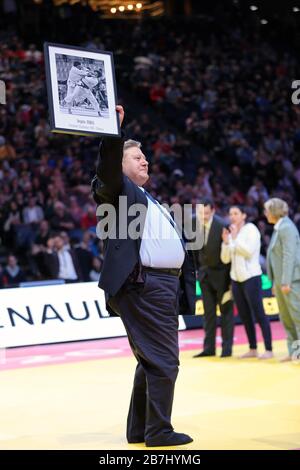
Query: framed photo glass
x,y
81,90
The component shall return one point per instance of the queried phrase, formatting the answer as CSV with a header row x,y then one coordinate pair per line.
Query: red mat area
x,y
31,356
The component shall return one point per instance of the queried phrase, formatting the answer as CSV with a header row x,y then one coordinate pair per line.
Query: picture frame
x,y
81,90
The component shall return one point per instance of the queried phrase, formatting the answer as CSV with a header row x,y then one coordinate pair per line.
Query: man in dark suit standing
x,y
215,284
61,262
140,276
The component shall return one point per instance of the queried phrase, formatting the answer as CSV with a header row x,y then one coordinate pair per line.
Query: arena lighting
x,y
113,10
296,9
121,8
253,8
264,21
153,8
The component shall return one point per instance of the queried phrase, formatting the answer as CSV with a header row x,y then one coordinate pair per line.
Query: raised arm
x,y
107,183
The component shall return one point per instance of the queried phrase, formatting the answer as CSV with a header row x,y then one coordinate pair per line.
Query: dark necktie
x,y
172,222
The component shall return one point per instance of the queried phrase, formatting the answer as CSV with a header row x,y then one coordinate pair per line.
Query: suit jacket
x,y
121,255
210,254
283,255
209,257
52,262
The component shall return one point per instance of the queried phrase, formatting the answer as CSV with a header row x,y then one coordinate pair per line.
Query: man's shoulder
x,y
219,221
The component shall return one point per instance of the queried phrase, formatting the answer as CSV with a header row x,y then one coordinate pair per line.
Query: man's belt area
x,y
171,271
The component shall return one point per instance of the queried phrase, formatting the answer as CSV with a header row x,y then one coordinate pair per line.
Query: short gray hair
x,y
131,143
277,207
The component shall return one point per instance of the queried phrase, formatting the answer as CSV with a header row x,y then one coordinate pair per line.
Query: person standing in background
x,y
241,246
215,284
283,266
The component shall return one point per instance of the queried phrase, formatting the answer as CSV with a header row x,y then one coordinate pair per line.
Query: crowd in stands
x,y
217,121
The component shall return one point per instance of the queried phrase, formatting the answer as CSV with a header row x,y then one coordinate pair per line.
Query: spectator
x,y
62,262
32,214
12,274
61,220
89,219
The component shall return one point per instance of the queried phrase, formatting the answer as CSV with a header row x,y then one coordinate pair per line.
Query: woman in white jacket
x,y
241,248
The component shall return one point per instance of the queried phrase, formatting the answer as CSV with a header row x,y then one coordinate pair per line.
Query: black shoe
x,y
205,354
136,440
226,354
173,439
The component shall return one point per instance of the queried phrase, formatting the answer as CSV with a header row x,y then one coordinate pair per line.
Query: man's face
x,y
44,226
208,213
12,262
58,243
135,165
60,211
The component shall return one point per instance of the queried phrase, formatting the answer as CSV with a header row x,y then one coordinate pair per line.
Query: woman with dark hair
x,y
241,246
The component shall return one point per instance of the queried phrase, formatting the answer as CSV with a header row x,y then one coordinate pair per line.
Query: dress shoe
x,y
172,439
136,440
226,354
205,354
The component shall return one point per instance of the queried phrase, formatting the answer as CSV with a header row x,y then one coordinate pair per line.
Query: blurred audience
x,y
217,122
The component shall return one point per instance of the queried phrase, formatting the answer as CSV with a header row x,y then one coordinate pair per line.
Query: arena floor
x,y
75,396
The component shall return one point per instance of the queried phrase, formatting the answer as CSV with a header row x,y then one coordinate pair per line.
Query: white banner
x,y
56,314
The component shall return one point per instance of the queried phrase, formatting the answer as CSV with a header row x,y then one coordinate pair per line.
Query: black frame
x,y
50,84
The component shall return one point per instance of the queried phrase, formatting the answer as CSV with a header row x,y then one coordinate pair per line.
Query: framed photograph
x,y
81,90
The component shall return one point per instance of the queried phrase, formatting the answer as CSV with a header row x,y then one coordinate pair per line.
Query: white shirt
x,y
207,226
243,253
32,214
161,246
66,266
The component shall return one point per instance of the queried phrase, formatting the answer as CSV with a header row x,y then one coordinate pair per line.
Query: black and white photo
x,y
81,90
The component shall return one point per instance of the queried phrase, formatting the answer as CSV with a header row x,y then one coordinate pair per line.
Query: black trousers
x,y
149,313
248,299
213,289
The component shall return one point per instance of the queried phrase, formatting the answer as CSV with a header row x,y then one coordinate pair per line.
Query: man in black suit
x,y
140,276
215,284
61,262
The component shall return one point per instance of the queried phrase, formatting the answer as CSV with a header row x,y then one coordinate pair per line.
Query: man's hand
x,y
121,113
285,289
